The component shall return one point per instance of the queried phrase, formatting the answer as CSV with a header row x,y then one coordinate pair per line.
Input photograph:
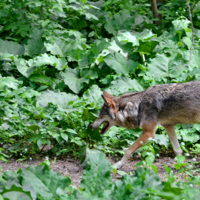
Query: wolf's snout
x,y
91,125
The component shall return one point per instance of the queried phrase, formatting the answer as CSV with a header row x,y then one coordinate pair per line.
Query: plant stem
x,y
72,123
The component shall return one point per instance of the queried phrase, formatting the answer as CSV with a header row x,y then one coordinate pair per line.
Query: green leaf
x,y
98,47
64,136
187,41
33,127
61,99
120,64
128,37
162,140
162,66
13,189
72,131
123,85
96,178
17,193
93,95
58,48
181,24
61,47
168,46
35,44
44,181
195,61
147,47
190,137
41,78
180,159
24,67
85,153
121,21
11,47
72,79
29,93
116,47
145,35
90,16
45,59
9,82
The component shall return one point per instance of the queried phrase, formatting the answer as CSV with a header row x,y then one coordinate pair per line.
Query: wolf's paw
x,y
119,164
178,152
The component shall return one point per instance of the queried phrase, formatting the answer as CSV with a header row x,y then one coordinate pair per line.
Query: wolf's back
x,y
172,103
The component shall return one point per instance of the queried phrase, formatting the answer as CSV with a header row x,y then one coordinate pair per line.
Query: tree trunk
x,y
155,11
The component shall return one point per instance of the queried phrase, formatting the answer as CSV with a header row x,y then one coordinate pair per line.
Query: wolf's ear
x,y
107,98
110,103
105,94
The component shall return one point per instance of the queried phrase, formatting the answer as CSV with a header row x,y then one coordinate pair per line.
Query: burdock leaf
x,y
73,80
96,178
11,47
61,99
120,64
121,21
44,181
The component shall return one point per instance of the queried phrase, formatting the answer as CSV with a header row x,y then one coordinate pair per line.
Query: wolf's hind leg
x,y
173,139
148,131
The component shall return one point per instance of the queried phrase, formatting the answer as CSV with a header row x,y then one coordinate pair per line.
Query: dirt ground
x,y
72,167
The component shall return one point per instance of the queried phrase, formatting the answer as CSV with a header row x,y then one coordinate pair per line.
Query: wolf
x,y
165,105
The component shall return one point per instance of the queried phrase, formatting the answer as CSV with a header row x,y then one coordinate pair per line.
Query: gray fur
x,y
167,105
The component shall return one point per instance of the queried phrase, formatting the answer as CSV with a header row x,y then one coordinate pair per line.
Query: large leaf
x,y
121,21
26,68
120,64
162,140
35,44
87,58
128,37
9,82
96,178
17,193
116,47
12,189
85,153
181,24
162,66
145,35
98,46
147,47
58,48
123,85
45,59
72,79
61,47
11,47
44,181
41,78
57,98
167,46
195,60
189,137
93,95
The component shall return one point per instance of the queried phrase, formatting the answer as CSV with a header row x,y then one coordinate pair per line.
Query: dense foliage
x,y
56,58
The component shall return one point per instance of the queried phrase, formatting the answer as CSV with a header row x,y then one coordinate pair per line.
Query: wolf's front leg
x,y
174,140
148,131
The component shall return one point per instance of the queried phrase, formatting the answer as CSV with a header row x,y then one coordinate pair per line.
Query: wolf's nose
x,y
90,125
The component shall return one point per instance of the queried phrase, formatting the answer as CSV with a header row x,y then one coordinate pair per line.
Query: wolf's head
x,y
107,114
